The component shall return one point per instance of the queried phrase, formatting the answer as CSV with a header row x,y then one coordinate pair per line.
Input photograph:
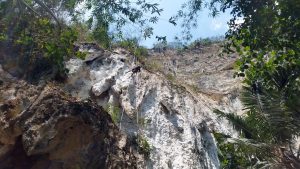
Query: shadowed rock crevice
x,y
17,158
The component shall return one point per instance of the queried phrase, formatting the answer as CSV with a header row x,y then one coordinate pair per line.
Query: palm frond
x,y
237,122
277,102
241,152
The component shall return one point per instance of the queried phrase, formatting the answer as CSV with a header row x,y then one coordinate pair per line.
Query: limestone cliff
x,y
176,121
155,121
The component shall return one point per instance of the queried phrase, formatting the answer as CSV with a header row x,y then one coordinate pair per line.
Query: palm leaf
x,y
237,122
278,104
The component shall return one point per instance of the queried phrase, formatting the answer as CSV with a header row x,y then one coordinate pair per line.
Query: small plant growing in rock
x,y
141,51
132,45
193,87
143,121
154,65
114,112
144,146
170,77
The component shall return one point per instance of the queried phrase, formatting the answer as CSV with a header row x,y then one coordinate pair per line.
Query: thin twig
x,y
28,6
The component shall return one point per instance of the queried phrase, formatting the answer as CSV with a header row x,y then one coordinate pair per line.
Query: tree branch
x,y
28,6
49,11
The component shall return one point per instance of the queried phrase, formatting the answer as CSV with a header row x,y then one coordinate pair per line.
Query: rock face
x,y
57,131
154,121
176,122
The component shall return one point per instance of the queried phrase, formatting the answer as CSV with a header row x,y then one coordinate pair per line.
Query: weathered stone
x,y
102,86
164,114
174,124
58,131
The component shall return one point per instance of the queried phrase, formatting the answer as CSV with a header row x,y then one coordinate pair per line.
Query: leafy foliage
x,y
264,33
189,13
120,13
38,28
34,36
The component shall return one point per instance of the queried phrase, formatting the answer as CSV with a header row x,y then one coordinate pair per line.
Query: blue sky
x,y
207,26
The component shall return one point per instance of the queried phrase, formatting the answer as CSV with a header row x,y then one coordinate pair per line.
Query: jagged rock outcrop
x,y
176,122
54,130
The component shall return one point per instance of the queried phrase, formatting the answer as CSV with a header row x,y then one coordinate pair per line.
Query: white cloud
x,y
239,21
217,25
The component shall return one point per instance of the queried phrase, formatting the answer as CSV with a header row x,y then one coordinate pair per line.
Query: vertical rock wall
x,y
175,122
111,115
